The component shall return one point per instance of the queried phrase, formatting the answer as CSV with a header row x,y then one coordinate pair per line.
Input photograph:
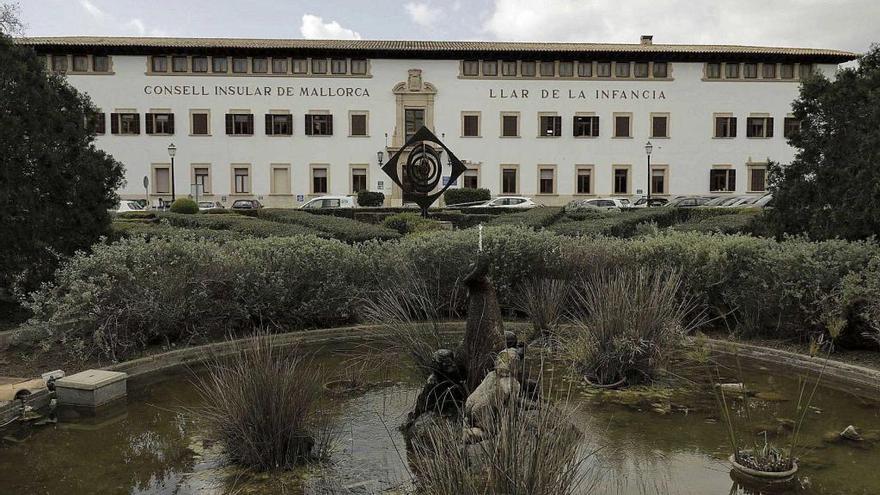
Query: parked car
x,y
330,202
246,204
210,205
688,202
754,202
128,205
642,202
601,203
507,202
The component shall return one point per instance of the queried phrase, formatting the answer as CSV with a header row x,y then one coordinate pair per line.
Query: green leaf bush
x,y
239,223
410,223
466,195
370,198
184,206
534,217
344,229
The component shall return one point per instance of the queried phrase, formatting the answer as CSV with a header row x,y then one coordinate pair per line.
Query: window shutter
x,y
329,125
148,121
309,125
733,127
170,123
137,123
250,123
770,127
229,123
268,124
114,123
595,128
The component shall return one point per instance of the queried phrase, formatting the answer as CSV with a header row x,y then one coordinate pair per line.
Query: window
x,y
278,124
80,63
358,180
242,180
528,69
806,70
239,124
510,125
300,66
621,69
759,127
471,178
125,123
603,69
280,180
585,181
319,124
199,126
566,69
722,180
239,65
621,181
725,127
470,68
750,71
319,181
259,65
319,66
786,71
661,70
179,64
550,125
161,180
279,65
490,68
101,63
159,123
731,71
548,69
622,126
640,69
658,181
339,66
768,71
100,122
586,126
413,120
200,64
358,66
59,63
508,68
713,71
202,178
757,178
509,180
358,122
546,181
159,64
585,69
470,125
791,126
219,65
659,126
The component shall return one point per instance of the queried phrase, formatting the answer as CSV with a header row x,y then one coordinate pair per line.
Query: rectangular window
x,y
339,66
159,123
161,180
159,63
621,181
603,69
239,65
508,68
658,181
219,65
202,179
470,125
585,69
358,124
806,70
319,181
550,125
725,127
279,65
319,66
101,63
358,180
731,71
548,69
508,181
586,126
661,70
768,71
300,66
413,120
200,124
179,64
757,179
759,127
786,71
280,183
490,68
59,63
358,66
200,64
713,71
640,69
471,179
259,65
80,63
510,125
566,69
125,123
621,69
528,69
470,68
750,71
659,126
791,126
278,124
584,181
242,180
622,126
239,124
319,124
722,180
546,181
100,121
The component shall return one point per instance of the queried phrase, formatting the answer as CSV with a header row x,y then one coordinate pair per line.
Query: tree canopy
x,y
832,187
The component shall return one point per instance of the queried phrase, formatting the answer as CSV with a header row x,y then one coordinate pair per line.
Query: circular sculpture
x,y
423,169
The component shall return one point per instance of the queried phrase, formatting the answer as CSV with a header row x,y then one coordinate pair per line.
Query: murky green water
x,y
653,442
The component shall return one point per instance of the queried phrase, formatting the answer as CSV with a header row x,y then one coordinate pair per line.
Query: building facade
x,y
286,120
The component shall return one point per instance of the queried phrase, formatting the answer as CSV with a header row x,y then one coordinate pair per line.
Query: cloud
x,y
93,10
314,27
422,14
107,23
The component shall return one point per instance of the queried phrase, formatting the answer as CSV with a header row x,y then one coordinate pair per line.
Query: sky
x,y
841,24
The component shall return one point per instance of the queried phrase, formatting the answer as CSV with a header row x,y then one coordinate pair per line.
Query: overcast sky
x,y
843,24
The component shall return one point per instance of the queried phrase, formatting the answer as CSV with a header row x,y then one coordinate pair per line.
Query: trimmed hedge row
x,y
239,223
150,230
344,229
628,223
534,218
465,195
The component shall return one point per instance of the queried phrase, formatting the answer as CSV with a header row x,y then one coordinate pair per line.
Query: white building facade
x,y
286,120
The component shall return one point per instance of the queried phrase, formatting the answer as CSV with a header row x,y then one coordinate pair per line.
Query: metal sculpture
x,y
423,168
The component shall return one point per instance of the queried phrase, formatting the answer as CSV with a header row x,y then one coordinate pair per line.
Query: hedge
x,y
410,223
725,224
370,198
343,229
239,223
185,206
534,217
465,195
122,229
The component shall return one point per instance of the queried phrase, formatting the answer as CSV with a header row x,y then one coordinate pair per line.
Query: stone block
x,y
91,388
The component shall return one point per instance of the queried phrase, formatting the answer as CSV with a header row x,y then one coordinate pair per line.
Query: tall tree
x,y
832,187
55,186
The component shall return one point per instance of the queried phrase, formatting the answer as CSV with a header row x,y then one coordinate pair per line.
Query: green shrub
x,y
534,218
370,198
239,223
465,195
149,230
344,229
134,215
185,206
410,223
737,223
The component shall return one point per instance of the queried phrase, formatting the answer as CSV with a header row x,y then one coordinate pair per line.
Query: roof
x,y
433,49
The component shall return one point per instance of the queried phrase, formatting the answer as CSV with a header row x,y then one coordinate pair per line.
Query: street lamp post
x,y
648,148
381,157
172,150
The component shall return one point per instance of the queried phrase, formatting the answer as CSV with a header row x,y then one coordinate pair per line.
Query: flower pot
x,y
767,476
